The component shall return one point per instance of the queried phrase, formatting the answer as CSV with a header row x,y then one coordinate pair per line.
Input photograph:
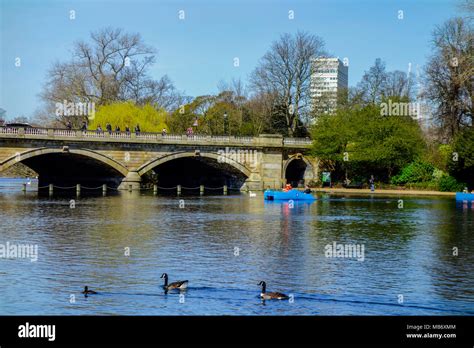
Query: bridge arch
x,y
298,169
212,155
195,168
22,156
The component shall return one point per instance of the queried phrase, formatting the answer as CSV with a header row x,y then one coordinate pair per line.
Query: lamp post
x,y
225,122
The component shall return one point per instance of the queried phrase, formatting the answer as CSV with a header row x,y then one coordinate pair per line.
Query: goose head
x,y
164,275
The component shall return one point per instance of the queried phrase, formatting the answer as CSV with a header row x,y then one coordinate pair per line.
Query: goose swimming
x,y
179,285
271,295
88,292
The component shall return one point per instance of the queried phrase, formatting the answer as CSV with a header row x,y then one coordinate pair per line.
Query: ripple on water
x,y
225,245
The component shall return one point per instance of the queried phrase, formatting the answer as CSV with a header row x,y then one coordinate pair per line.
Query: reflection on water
x,y
224,246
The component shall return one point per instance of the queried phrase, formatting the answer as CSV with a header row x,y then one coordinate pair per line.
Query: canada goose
x,y
180,285
252,194
271,295
88,292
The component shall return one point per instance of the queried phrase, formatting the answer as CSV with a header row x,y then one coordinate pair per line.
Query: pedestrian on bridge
x,y
137,129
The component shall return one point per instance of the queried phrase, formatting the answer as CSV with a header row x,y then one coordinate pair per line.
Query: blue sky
x,y
198,52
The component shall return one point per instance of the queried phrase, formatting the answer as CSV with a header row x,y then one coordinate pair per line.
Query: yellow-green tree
x,y
128,114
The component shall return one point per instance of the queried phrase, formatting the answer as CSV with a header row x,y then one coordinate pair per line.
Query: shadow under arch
x,y
70,167
192,169
297,170
157,161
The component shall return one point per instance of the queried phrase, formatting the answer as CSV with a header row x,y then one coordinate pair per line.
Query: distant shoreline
x,y
406,192
384,192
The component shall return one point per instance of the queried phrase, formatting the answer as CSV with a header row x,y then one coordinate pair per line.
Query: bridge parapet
x,y
143,137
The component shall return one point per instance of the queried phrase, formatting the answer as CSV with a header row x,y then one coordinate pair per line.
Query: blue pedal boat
x,y
295,195
461,197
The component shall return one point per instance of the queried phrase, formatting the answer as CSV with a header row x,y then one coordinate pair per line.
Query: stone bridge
x,y
126,160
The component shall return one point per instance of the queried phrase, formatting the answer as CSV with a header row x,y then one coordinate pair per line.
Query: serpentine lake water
x,y
120,244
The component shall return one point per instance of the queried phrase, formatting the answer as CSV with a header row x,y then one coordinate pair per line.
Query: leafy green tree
x,y
186,115
225,113
438,155
333,138
461,164
417,171
360,142
447,183
223,118
128,114
388,142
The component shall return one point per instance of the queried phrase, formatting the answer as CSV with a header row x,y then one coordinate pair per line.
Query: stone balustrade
x,y
265,140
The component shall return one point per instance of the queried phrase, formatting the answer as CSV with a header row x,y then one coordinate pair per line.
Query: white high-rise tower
x,y
328,77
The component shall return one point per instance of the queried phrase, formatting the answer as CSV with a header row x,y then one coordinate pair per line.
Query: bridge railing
x,y
36,131
94,134
172,137
64,133
5,130
297,141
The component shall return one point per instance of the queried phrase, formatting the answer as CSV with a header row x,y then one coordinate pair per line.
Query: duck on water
x,y
179,285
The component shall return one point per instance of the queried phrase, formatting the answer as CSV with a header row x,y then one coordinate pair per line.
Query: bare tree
x,y
258,112
3,113
285,72
397,84
160,93
112,67
449,76
236,90
468,7
373,82
20,119
377,84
